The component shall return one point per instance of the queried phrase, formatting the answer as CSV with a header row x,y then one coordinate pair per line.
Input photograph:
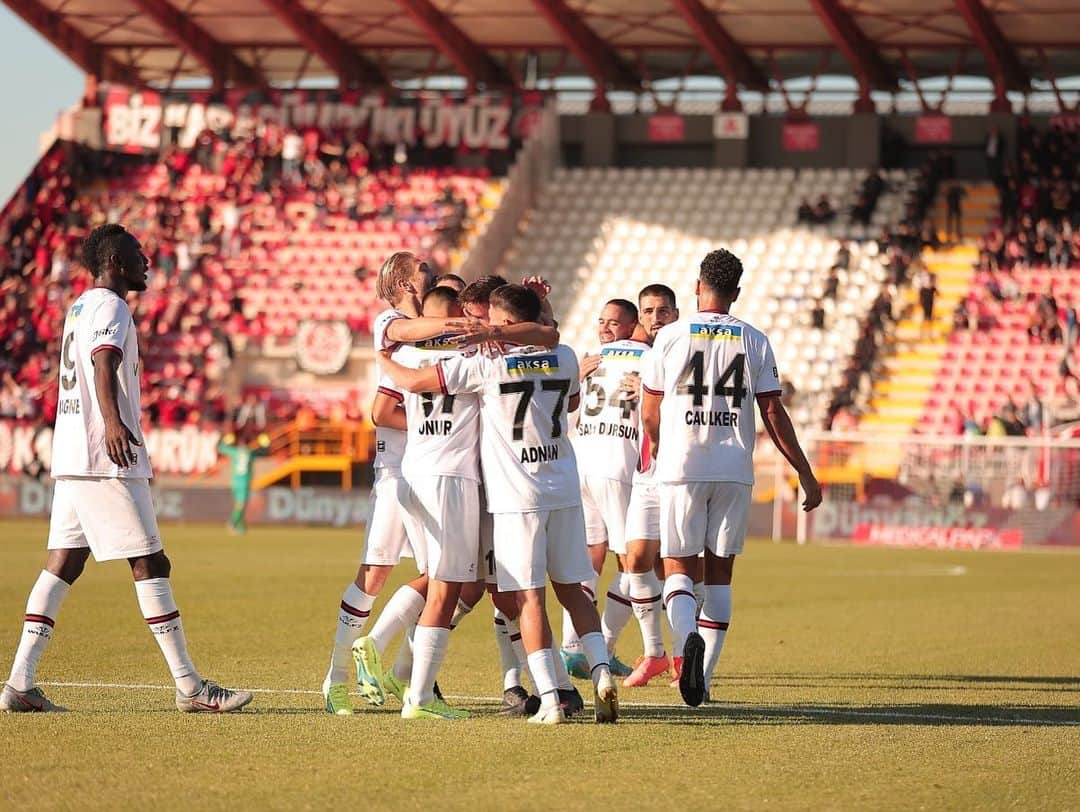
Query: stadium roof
x,y
623,44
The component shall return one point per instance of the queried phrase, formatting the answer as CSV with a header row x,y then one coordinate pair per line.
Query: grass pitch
x,y
851,677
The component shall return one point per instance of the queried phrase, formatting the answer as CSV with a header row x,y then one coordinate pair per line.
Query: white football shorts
x,y
387,542
485,564
529,547
698,516
604,502
113,516
643,515
443,523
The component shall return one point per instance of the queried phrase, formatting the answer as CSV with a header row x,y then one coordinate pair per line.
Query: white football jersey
x,y
608,439
389,443
444,430
98,320
709,368
526,454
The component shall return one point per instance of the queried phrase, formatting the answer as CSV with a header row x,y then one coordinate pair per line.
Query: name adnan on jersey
x,y
608,440
526,455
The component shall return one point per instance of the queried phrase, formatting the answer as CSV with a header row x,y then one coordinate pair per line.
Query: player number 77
x,y
525,390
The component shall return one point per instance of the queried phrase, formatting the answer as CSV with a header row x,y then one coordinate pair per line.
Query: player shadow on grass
x,y
930,682
931,714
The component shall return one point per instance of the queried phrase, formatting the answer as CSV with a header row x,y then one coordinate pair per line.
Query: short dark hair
x,y
102,247
625,305
479,292
443,295
449,277
520,302
721,271
656,289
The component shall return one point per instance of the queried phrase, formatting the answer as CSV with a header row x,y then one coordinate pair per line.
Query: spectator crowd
x,y
201,215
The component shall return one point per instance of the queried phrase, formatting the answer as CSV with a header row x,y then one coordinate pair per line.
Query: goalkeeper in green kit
x,y
243,458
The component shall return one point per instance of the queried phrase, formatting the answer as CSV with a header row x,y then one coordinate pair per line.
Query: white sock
x,y
542,668
713,624
571,641
699,596
513,628
352,618
403,663
681,610
459,613
645,589
562,676
42,607
596,653
507,656
429,651
158,607
617,610
402,610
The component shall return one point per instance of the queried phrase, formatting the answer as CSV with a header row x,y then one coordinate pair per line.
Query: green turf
x,y
852,677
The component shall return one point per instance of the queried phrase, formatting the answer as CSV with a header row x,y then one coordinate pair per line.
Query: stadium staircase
x,y
917,351
597,234
317,449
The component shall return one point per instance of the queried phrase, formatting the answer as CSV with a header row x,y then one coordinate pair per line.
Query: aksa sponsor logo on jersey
x,y
717,332
533,365
443,342
624,353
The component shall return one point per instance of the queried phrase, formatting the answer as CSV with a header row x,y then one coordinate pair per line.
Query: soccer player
x,y
242,459
442,506
657,307
607,446
475,302
102,502
450,280
699,385
533,493
403,281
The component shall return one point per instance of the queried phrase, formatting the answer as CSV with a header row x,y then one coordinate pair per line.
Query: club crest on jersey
x,y
623,353
717,332
443,342
532,365
76,309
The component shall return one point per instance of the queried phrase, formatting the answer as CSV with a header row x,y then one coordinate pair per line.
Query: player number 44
x,y
730,384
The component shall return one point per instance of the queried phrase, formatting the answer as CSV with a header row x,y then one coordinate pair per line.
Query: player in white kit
x,y
656,308
699,386
533,491
403,282
442,516
101,501
607,445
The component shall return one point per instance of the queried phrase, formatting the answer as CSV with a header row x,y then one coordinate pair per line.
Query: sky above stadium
x,y
38,83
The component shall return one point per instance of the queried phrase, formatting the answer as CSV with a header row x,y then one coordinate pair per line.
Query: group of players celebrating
x,y
502,462
483,473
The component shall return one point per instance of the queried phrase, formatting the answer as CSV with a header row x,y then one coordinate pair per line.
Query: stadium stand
x,y
244,246
601,233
